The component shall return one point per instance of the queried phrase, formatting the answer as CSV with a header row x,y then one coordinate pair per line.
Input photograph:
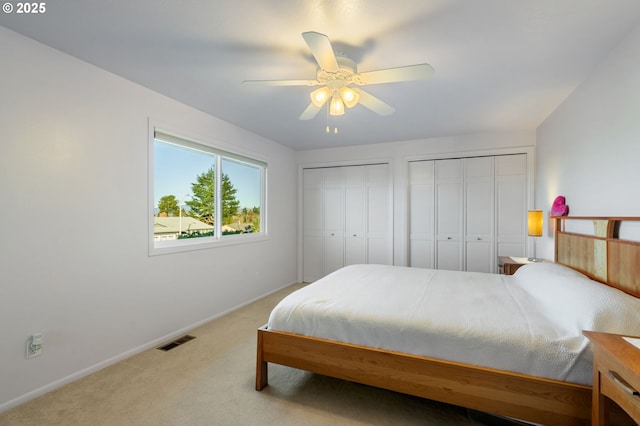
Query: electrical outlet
x,y
34,345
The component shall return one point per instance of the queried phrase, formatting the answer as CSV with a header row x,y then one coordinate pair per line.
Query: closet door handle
x,y
449,238
479,239
354,235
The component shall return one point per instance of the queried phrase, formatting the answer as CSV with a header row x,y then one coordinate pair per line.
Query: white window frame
x,y
158,247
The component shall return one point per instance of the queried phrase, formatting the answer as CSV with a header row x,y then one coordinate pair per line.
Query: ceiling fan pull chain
x,y
327,116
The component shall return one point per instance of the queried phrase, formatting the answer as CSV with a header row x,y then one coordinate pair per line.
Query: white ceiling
x,y
500,65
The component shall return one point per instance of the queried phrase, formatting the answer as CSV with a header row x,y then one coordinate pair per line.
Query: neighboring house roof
x,y
175,225
234,227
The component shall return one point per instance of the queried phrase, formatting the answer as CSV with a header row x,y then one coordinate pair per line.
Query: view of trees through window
x,y
186,193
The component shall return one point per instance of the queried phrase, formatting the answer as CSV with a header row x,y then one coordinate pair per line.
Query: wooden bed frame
x,y
602,256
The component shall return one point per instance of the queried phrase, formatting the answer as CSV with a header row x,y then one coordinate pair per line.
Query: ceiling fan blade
x,y
321,49
310,112
391,75
373,103
282,82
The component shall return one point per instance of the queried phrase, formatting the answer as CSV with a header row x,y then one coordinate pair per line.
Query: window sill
x,y
179,246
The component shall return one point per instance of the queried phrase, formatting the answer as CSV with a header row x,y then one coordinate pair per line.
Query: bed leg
x,y
262,380
261,377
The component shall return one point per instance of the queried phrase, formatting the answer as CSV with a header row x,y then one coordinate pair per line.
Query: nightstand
x,y
508,265
616,378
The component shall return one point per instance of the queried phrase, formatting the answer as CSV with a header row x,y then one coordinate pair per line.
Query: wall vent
x,y
174,344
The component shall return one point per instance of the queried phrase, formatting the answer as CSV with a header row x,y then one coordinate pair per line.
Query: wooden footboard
x,y
549,402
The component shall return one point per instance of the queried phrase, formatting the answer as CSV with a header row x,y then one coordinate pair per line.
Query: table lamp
x,y
534,228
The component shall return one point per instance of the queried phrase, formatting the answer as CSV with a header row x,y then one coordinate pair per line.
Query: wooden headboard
x,y
603,256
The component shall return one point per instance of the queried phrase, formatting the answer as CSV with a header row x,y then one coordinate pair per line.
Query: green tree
x,y
202,203
245,214
169,205
255,223
229,202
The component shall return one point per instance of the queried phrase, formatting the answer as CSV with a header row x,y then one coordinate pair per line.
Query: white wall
x,y
74,226
588,149
399,153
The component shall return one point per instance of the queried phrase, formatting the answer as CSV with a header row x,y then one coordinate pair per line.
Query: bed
x,y
554,392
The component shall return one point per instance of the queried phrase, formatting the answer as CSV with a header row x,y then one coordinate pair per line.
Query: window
x,y
201,196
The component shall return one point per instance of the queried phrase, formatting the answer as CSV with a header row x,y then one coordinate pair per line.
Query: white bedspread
x,y
529,323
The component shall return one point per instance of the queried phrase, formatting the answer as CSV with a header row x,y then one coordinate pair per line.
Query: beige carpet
x,y
210,381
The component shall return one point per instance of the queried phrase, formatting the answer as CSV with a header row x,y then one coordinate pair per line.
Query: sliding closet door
x,y
312,225
511,204
355,215
333,190
346,218
378,215
479,214
421,214
465,212
449,210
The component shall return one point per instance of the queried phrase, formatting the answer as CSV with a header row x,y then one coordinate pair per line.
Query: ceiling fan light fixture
x,y
320,96
349,96
337,106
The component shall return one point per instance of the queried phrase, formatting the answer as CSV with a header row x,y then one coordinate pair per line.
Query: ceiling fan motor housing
x,y
346,74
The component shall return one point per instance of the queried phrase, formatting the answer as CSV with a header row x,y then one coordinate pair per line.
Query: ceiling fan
x,y
338,78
